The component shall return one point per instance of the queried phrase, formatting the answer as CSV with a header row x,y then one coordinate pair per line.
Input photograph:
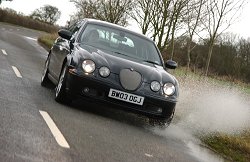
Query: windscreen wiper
x,y
152,62
121,53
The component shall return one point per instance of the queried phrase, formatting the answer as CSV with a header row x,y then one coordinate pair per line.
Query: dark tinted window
x,y
120,42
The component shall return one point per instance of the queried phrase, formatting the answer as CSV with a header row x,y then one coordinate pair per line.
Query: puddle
x,y
189,141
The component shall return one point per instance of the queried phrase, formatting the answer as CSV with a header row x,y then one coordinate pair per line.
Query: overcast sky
x,y
241,27
27,6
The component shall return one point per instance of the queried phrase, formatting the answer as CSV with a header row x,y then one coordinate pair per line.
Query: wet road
x,y
92,132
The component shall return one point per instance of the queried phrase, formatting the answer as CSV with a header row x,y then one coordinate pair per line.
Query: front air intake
x,y
130,79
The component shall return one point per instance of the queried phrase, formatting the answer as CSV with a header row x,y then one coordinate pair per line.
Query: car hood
x,y
116,62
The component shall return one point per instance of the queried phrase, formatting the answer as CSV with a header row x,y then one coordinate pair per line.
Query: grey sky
x,y
241,26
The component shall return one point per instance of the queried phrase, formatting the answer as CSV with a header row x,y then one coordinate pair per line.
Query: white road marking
x,y
4,52
148,155
54,130
34,39
18,74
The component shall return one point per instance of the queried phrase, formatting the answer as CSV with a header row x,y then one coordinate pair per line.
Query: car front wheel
x,y
45,79
60,90
158,122
162,122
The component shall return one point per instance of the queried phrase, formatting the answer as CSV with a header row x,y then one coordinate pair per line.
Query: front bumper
x,y
96,88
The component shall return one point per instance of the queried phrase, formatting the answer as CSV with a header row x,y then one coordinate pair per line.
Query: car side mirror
x,y
170,64
66,34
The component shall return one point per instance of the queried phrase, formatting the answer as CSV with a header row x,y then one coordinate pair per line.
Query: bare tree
x,y
160,19
114,11
143,14
47,13
162,22
178,10
192,18
244,51
220,15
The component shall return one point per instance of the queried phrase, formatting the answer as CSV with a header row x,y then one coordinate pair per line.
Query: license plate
x,y
127,97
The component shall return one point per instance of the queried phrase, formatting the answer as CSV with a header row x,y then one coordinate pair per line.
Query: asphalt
x,y
94,132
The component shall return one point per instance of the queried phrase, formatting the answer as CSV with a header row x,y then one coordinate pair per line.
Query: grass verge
x,y
47,40
233,147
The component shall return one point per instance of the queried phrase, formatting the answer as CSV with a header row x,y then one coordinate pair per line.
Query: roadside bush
x,y
47,40
25,21
229,59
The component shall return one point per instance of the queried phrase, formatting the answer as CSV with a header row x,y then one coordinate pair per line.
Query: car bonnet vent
x,y
130,79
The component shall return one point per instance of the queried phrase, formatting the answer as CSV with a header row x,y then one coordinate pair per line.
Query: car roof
x,y
108,24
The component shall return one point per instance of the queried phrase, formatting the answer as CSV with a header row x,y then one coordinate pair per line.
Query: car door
x,y
60,50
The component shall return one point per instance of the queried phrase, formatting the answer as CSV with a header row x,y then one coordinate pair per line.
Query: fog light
x,y
86,90
104,71
155,86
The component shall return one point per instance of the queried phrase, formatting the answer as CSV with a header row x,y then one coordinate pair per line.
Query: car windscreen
x,y
120,42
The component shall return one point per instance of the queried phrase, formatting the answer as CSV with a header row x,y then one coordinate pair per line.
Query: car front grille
x,y
130,79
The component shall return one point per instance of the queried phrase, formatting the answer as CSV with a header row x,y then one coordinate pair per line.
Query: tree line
x,y
189,31
46,14
231,56
11,16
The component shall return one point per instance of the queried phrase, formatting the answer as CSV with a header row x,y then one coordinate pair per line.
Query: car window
x,y
75,27
113,38
120,42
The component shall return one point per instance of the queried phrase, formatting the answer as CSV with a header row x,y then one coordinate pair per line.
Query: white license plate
x,y
124,96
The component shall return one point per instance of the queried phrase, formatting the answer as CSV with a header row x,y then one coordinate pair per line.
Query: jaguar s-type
x,y
103,62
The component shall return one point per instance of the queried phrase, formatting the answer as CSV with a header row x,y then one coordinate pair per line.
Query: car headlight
x,y
155,86
168,89
88,66
104,71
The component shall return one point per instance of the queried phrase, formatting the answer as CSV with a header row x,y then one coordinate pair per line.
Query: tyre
x,y
45,79
60,90
162,122
158,122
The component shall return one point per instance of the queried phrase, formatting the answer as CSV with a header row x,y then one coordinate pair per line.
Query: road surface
x,y
36,128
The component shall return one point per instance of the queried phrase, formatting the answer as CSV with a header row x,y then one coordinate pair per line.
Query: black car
x,y
100,61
